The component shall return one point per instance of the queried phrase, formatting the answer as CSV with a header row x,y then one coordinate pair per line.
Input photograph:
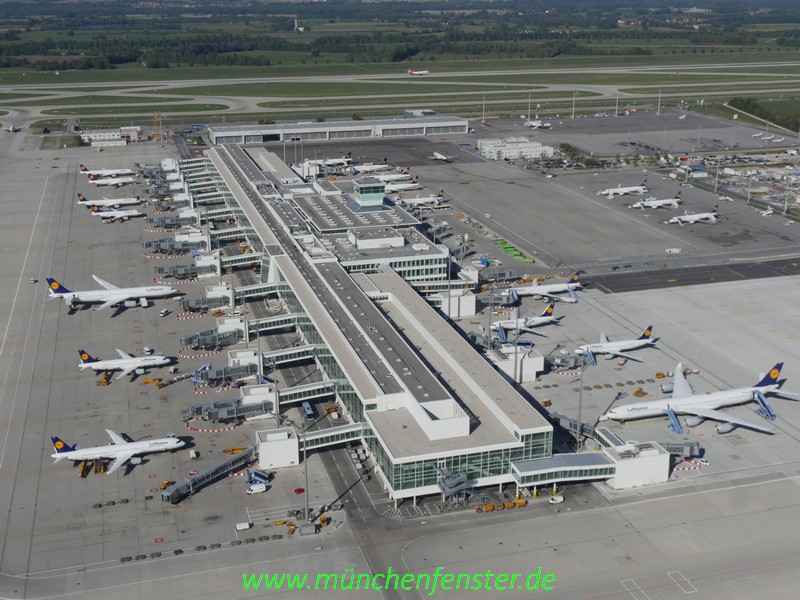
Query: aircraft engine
x,y
129,303
140,371
136,460
143,302
693,421
725,427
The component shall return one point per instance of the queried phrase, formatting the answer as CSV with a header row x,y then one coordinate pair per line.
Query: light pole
x,y
574,92
578,427
658,111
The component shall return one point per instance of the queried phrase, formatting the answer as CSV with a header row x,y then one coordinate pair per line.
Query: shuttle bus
x,y
308,410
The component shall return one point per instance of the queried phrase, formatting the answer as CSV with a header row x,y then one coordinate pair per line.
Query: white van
x,y
257,488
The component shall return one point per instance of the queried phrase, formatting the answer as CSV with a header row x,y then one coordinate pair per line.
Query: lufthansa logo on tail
x,y
54,285
549,310
774,374
59,445
85,356
647,332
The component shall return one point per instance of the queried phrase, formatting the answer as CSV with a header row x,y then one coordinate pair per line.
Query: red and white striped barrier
x,y
161,256
174,282
182,354
158,230
570,372
195,429
187,316
200,392
690,465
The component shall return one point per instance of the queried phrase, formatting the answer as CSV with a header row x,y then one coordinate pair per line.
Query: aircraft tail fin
x,y
771,378
415,180
406,171
440,195
646,333
86,358
83,169
644,182
82,199
548,312
60,446
715,210
56,288
576,277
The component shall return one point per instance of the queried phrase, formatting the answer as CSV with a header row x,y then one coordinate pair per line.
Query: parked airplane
x,y
527,324
111,294
709,217
119,451
423,200
368,168
612,349
112,216
106,172
622,191
126,363
704,406
402,186
759,134
12,128
107,202
413,72
404,174
115,181
682,118
547,290
768,138
653,203
443,157
537,124
778,140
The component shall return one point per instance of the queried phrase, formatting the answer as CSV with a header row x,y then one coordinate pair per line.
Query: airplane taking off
x,y
547,290
709,217
704,406
612,349
423,200
442,157
126,363
653,203
413,72
111,294
398,186
106,172
404,174
119,451
527,324
622,191
112,216
115,181
107,202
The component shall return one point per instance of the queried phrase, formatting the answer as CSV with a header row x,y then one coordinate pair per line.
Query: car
x,y
488,216
256,488
556,500
147,350
702,461
163,313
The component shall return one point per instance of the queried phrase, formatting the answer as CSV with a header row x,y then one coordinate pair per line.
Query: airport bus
x,y
308,410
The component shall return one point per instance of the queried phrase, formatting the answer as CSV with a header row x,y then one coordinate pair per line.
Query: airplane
x,y
653,203
612,349
442,157
709,217
526,324
778,140
759,134
404,174
423,200
106,172
622,191
401,186
682,117
119,451
704,406
12,128
107,202
368,168
537,124
126,363
769,137
115,181
111,294
413,72
112,216
547,290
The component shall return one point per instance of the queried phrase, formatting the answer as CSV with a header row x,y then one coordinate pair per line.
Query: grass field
x,y
95,100
138,110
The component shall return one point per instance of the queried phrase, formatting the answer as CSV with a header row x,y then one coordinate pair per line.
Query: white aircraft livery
x,y
111,294
442,157
106,172
653,203
112,215
401,186
704,406
107,202
526,324
125,363
115,181
612,349
622,191
423,200
404,174
548,290
413,72
708,217
119,451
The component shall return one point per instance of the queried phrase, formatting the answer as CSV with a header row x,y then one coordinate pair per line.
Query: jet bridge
x,y
228,233
211,338
227,410
171,222
229,212
330,437
310,391
257,326
240,260
191,485
184,271
289,355
257,290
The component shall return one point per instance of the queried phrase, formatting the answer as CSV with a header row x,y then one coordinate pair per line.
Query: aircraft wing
x,y
621,355
113,300
126,371
105,284
116,438
533,331
123,354
120,460
680,386
715,415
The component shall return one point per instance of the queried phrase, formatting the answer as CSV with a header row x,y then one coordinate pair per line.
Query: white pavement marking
x,y
634,589
686,586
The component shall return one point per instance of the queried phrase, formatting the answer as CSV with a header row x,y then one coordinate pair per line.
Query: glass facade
x,y
565,475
